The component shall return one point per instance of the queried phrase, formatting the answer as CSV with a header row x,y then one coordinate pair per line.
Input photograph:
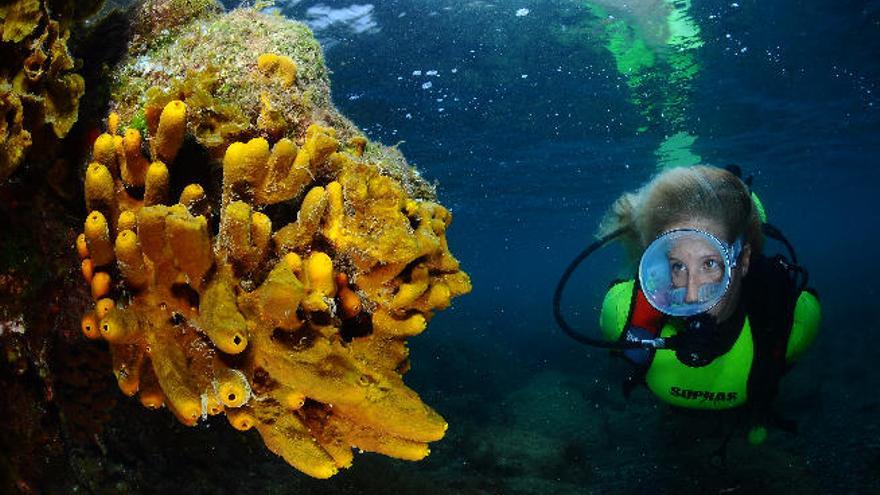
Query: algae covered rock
x,y
242,75
251,254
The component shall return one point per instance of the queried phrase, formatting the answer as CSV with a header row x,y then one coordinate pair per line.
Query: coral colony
x,y
249,252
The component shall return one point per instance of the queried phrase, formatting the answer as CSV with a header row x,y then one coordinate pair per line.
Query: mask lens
x,y
685,272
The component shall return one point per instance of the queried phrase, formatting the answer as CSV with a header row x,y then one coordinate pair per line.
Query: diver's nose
x,y
693,290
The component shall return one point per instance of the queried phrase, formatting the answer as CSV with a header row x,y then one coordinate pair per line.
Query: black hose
x,y
769,230
801,275
773,232
557,297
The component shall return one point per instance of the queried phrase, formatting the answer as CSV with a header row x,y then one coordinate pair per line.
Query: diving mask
x,y
686,272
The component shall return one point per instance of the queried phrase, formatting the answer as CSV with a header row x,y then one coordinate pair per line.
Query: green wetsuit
x,y
723,384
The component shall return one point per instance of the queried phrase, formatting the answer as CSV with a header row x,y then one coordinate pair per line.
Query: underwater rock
x,y
542,438
242,75
39,90
251,254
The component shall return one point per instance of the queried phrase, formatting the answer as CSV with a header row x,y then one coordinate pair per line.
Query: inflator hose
x,y
557,297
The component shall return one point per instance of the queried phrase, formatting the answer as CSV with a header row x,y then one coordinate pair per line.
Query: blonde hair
x,y
681,194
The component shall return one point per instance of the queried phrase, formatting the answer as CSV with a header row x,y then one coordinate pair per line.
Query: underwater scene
x,y
439,246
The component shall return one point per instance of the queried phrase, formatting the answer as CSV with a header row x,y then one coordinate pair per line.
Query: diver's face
x,y
695,263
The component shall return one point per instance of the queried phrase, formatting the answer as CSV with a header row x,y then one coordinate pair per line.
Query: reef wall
x,y
39,90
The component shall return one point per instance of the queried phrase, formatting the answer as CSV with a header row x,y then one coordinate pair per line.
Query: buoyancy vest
x,y
779,323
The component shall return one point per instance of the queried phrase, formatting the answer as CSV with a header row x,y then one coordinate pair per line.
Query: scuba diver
x,y
708,322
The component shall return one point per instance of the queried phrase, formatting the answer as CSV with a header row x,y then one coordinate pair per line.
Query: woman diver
x,y
708,322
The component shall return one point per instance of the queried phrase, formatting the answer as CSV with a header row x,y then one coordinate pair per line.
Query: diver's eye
x,y
678,267
711,264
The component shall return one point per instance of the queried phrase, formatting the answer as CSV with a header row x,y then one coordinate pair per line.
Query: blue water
x,y
531,139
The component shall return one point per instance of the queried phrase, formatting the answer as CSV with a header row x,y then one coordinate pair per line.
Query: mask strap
x,y
735,250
